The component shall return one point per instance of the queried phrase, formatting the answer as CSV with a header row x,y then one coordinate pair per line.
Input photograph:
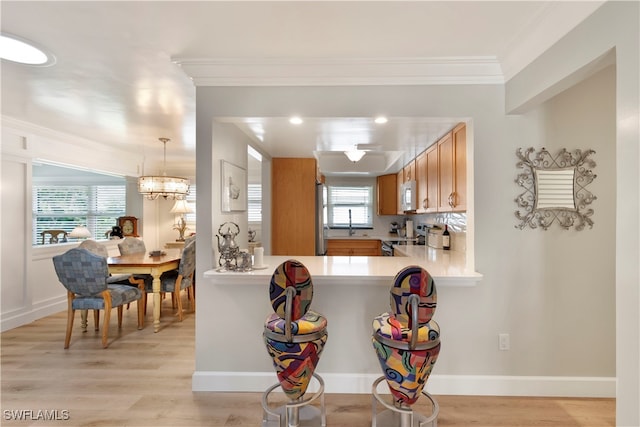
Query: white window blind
x,y
190,217
357,199
63,207
254,202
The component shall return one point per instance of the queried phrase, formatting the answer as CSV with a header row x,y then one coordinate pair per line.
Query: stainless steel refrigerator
x,y
321,227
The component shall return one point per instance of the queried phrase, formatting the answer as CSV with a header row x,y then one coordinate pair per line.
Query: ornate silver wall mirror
x,y
555,188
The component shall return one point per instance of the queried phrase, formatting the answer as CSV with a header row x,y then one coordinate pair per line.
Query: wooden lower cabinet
x,y
354,247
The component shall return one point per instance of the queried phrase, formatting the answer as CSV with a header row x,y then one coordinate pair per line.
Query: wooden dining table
x,y
143,263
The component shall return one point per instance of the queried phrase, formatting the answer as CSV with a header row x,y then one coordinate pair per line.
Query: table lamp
x,y
80,232
181,207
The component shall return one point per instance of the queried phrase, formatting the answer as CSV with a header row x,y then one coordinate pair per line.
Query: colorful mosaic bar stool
x,y
407,343
295,337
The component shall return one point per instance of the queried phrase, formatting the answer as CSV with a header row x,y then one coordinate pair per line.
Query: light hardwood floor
x,y
144,379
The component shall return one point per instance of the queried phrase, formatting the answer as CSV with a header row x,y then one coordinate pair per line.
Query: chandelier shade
x,y
168,187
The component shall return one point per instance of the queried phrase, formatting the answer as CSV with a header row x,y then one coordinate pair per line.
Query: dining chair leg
x,y
192,298
96,320
67,338
107,315
140,311
179,301
120,316
144,302
70,315
83,320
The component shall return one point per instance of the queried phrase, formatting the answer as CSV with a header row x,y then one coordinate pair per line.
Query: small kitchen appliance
x,y
431,234
393,228
434,237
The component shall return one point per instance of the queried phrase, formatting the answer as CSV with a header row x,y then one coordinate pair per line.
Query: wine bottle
x,y
446,239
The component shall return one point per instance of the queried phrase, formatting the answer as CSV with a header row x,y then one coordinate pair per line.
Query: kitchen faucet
x,y
351,230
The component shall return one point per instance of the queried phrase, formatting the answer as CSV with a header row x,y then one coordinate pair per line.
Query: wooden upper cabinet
x,y
387,194
421,183
431,204
452,171
445,172
440,173
399,182
293,199
459,198
410,171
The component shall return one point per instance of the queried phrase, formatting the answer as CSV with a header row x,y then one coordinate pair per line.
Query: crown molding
x,y
342,71
552,22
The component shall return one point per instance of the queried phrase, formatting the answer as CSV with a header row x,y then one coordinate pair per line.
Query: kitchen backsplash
x,y
457,223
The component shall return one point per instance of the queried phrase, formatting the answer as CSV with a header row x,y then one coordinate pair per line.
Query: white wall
x,y
516,295
611,34
216,142
29,287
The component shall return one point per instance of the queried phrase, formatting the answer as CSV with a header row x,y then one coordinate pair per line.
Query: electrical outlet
x,y
503,342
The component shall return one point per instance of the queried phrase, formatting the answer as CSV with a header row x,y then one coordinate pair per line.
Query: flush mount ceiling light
x,y
354,155
380,120
169,187
295,120
16,49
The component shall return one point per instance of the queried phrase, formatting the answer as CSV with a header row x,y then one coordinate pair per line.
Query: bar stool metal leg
x,y
298,413
401,415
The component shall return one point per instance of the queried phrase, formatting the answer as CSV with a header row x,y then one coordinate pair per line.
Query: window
x,y
352,200
254,202
190,217
63,207
64,197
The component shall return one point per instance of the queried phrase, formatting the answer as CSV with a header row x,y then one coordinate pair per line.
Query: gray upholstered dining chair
x,y
98,249
120,279
84,275
131,245
175,281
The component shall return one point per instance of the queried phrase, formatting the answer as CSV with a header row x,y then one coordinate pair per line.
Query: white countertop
x,y
446,268
386,237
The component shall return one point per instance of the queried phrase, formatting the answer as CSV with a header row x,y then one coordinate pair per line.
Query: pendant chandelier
x,y
169,187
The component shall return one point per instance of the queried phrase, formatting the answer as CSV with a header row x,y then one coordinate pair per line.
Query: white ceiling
x,y
117,81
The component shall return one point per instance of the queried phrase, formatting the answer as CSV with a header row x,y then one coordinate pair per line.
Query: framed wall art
x,y
234,188
554,188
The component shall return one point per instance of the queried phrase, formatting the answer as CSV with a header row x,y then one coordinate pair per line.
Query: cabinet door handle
x,y
452,199
425,203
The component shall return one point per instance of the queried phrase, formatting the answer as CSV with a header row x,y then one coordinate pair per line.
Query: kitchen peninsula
x,y
348,290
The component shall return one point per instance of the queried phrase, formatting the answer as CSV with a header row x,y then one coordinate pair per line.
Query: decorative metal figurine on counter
x,y
231,258
555,188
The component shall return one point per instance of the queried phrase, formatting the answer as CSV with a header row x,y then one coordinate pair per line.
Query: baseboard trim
x,y
38,311
476,385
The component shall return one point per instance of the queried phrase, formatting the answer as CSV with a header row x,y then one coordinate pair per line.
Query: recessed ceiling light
x,y
15,49
380,120
295,120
